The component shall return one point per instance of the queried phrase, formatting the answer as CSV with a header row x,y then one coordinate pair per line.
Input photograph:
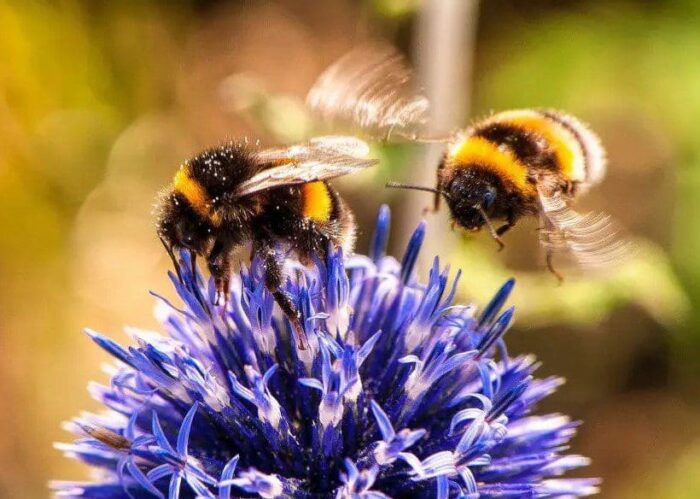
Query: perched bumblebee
x,y
231,195
527,162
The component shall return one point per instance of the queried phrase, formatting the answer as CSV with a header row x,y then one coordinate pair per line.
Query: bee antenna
x,y
431,140
492,230
171,254
419,139
397,185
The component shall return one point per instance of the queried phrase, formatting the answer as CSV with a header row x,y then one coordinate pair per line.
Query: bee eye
x,y
185,235
489,198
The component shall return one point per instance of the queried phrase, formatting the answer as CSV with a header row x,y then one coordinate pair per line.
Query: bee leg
x,y
273,282
290,310
492,231
498,241
504,228
222,294
550,266
510,223
220,268
222,285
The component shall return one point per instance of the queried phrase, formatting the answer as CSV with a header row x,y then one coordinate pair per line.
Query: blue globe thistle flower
x,y
401,394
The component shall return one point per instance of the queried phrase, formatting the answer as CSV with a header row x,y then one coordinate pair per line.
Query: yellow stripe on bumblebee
x,y
317,201
191,189
482,153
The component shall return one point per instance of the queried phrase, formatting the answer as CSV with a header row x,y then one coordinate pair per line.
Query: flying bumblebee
x,y
527,162
228,196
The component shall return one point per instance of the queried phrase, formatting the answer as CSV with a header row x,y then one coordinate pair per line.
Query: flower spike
x,y
401,393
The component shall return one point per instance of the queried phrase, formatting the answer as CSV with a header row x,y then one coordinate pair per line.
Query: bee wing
x,y
340,145
328,145
371,87
592,240
323,158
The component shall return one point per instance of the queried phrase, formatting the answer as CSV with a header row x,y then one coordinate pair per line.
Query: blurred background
x,y
101,101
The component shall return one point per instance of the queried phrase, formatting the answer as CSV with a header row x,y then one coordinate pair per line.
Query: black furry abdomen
x,y
281,213
282,219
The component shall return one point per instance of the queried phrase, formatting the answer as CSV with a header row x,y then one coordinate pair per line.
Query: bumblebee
x,y
527,162
231,195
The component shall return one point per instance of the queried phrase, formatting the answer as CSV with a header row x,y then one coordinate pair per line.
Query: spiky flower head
x,y
401,394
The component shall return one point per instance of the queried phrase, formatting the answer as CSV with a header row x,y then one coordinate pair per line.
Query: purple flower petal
x,y
183,435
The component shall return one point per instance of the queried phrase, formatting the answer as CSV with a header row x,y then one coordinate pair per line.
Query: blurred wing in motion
x,y
323,158
340,144
591,239
373,88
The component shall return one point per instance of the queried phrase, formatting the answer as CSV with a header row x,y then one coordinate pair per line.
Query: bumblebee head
x,y
180,226
473,197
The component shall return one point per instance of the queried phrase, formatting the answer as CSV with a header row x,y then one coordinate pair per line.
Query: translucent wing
x,y
371,87
322,158
591,239
340,144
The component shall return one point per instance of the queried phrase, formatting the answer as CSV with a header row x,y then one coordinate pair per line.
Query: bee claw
x,y
302,341
222,292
